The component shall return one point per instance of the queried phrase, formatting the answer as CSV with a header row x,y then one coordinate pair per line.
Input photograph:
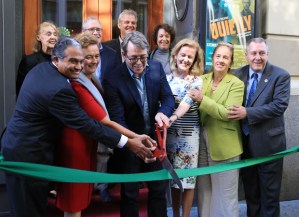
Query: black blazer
x,y
46,103
123,100
108,60
115,45
266,112
27,63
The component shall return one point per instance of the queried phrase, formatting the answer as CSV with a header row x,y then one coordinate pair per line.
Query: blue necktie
x,y
250,97
252,89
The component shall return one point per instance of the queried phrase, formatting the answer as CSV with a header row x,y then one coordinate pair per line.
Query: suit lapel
x,y
149,87
130,83
218,92
264,81
206,81
243,76
97,83
206,84
222,87
103,61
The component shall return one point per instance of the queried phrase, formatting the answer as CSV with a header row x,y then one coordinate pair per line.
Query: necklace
x,y
213,85
181,75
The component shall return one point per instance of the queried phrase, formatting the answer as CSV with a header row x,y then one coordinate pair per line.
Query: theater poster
x,y
229,21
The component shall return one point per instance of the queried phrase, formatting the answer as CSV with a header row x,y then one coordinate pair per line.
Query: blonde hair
x,y
197,67
37,45
86,39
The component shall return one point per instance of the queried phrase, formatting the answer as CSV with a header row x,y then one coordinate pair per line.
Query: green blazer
x,y
224,135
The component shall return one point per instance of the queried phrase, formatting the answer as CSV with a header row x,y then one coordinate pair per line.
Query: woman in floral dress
x,y
184,134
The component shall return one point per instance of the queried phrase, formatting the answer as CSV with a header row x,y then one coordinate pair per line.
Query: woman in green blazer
x,y
220,138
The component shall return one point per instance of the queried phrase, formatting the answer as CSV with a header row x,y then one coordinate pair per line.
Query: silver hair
x,y
137,38
87,20
127,12
257,40
62,44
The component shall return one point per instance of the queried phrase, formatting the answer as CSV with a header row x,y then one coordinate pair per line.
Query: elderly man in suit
x,y
127,22
47,102
108,57
136,94
267,93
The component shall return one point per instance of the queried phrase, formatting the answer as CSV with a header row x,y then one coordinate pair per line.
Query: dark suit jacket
x,y
123,100
115,45
27,63
265,114
46,103
108,60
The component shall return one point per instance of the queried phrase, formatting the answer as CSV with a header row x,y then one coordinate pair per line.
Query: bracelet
x,y
177,117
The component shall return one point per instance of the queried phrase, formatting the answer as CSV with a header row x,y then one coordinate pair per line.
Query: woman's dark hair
x,y
169,29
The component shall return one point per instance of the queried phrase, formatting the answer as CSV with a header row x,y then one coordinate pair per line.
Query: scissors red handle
x,y
160,151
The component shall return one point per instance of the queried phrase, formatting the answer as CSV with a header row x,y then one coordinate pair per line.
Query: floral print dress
x,y
183,136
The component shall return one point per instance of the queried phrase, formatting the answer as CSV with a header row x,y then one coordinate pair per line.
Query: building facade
x,y
276,21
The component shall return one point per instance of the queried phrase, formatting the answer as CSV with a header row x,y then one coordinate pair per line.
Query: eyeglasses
x,y
135,59
95,29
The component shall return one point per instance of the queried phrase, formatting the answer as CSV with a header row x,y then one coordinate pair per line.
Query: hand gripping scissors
x,y
160,153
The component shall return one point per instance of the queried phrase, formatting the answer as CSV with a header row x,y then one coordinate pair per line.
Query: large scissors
x,y
160,153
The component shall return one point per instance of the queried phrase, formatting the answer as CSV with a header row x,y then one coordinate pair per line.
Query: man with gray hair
x,y
266,97
108,56
127,23
45,104
137,94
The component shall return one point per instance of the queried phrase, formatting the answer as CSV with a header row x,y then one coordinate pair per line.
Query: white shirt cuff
x,y
123,140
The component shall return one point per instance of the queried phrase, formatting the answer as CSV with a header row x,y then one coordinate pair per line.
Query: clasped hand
x,y
236,112
195,94
143,147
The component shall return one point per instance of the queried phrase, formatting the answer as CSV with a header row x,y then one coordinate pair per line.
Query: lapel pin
x,y
266,80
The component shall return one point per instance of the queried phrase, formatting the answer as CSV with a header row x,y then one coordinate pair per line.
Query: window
x,y
64,13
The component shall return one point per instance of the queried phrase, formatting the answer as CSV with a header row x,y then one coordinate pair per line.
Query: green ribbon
x,y
60,174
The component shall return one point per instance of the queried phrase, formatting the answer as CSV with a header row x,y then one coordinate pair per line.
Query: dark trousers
x,y
27,197
157,205
262,185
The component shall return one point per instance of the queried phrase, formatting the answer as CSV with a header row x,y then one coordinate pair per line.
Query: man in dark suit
x,y
47,102
127,22
108,56
267,93
136,94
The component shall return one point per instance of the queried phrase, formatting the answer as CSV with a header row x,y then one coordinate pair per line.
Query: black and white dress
x,y
184,135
